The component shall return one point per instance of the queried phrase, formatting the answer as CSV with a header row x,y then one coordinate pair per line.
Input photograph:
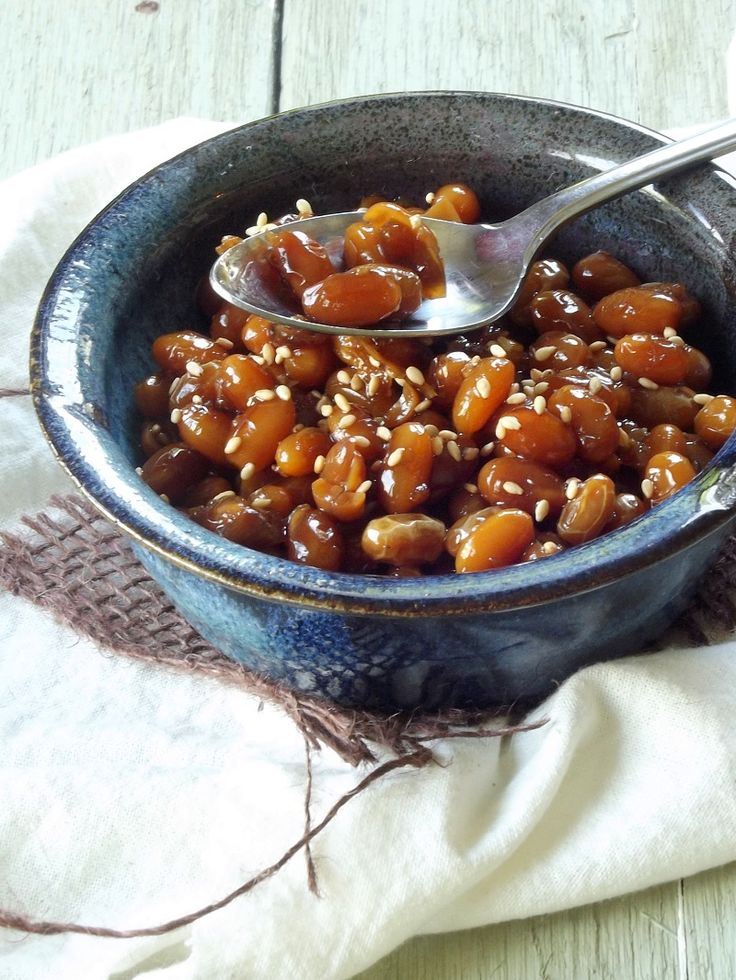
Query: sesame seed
x,y
364,486
447,434
597,345
401,382
535,374
374,362
549,548
648,384
616,373
541,510
247,471
298,427
253,230
541,387
233,445
500,431
224,342
510,487
544,353
264,395
497,350
454,450
223,495
139,470
319,463
415,221
571,487
483,387
373,385
361,441
595,385
155,428
475,360
429,198
283,392
342,403
438,446
487,449
565,413
470,487
356,382
647,488
383,432
326,410
518,398
423,405
703,398
173,385
669,332
470,452
262,219
395,457
304,207
343,377
514,388
194,369
346,421
282,353
431,429
540,404
414,375
268,353
677,341
261,503
257,358
510,422
612,340
176,416
164,498
197,399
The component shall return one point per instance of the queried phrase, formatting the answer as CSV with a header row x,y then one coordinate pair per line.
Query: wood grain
x,y
81,69
709,914
661,63
631,938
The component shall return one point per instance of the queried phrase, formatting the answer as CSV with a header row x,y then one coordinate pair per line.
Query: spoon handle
x,y
546,216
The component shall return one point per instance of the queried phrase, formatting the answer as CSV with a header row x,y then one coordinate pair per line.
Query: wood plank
x,y
635,60
78,70
635,937
709,908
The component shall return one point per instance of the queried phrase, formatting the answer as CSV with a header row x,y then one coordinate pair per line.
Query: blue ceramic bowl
x,y
486,639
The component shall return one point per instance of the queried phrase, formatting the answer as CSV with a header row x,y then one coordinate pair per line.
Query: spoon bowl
x,y
485,264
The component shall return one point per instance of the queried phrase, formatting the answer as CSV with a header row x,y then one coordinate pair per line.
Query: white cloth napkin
x,y
132,794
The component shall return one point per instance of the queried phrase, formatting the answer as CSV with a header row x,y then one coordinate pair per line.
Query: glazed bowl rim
x,y
682,520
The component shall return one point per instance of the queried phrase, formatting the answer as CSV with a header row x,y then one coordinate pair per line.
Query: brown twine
x,y
13,392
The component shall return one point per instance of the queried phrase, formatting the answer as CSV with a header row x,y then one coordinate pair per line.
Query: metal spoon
x,y
484,264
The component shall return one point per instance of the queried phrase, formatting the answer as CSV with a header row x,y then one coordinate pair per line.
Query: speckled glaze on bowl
x,y
486,639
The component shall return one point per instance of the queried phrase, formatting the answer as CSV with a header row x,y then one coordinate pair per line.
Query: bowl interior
x,y
133,272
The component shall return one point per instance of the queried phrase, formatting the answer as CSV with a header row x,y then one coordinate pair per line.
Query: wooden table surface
x,y
78,70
